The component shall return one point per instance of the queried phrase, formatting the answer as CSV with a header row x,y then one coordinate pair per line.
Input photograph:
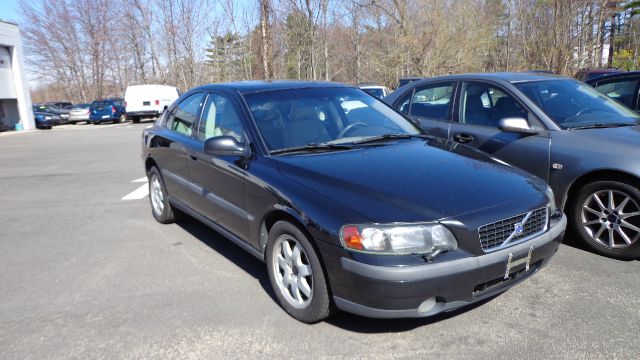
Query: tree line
x,y
80,50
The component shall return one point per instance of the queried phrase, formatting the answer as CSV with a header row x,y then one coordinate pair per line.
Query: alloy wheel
x,y
157,196
611,218
293,273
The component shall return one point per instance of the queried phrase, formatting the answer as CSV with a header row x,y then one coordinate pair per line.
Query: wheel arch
x,y
149,163
281,214
598,175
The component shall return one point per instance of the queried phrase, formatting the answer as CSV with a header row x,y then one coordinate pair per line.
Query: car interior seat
x,y
304,126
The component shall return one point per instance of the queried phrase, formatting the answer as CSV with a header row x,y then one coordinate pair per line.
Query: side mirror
x,y
516,125
225,146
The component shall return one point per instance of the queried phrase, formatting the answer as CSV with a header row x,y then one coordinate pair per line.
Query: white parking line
x,y
140,192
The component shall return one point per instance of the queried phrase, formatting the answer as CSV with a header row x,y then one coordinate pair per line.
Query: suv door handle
x,y
463,138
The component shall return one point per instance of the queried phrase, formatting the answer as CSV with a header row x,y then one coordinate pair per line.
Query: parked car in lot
x,y
378,91
622,87
61,104
586,74
148,101
53,109
404,81
360,210
79,112
107,110
46,120
562,130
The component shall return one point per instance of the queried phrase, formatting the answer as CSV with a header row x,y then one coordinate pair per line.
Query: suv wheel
x,y
296,274
606,216
160,207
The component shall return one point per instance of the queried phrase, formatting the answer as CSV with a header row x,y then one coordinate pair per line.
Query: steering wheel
x,y
350,127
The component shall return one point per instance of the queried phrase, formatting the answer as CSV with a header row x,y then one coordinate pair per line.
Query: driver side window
x,y
220,118
485,105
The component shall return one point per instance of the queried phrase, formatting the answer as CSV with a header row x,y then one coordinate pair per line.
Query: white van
x,y
148,101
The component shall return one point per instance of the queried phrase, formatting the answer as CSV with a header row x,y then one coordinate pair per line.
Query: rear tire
x,y
296,274
160,206
606,217
135,119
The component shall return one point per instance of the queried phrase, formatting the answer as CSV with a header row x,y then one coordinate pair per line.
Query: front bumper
x,y
398,292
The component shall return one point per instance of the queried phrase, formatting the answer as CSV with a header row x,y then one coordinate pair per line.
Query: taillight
x,y
113,109
125,104
157,102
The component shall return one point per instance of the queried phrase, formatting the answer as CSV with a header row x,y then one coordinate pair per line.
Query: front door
x,y
221,178
481,107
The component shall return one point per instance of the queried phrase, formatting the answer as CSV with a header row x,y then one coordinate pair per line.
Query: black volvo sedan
x,y
350,205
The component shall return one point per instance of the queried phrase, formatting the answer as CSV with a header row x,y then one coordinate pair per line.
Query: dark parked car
x,y
348,203
590,74
560,129
61,104
621,86
107,110
46,120
405,81
52,109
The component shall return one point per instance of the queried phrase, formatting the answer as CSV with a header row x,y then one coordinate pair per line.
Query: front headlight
x,y
47,117
396,239
552,200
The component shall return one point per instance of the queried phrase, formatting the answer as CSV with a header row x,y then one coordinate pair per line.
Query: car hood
x,y
412,180
618,137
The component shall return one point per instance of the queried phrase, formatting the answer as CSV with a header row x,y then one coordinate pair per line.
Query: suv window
x,y
220,118
485,105
429,101
623,90
185,114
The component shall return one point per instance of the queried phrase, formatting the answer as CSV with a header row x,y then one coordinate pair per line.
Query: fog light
x,y
427,305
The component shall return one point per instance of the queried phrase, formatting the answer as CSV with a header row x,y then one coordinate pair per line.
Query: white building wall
x,y
10,38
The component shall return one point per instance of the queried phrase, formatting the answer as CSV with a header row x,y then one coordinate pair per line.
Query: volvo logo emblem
x,y
518,229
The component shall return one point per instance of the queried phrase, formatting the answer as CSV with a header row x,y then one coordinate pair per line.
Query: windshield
x,y
299,117
100,104
80,106
571,104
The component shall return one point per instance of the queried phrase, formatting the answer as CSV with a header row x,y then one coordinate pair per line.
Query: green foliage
x,y
624,59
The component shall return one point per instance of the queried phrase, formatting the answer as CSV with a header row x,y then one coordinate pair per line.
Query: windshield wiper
x,y
311,147
602,126
392,136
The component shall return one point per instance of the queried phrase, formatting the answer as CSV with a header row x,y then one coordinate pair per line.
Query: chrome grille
x,y
505,233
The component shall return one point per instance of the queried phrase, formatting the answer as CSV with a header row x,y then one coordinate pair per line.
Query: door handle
x,y
463,138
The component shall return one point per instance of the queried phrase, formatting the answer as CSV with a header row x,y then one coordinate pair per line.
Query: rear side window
x,y
431,101
623,90
185,115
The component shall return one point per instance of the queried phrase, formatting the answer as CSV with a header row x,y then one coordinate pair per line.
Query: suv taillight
x,y
157,102
125,104
113,109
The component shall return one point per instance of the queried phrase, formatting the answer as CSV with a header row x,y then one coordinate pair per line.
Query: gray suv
x,y
582,143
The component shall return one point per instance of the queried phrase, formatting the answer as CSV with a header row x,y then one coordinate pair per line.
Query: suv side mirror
x,y
225,146
516,125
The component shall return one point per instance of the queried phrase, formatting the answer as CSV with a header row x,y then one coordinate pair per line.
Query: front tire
x,y
135,119
160,206
296,274
606,217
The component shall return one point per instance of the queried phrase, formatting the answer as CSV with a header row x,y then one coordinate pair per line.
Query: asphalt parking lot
x,y
85,273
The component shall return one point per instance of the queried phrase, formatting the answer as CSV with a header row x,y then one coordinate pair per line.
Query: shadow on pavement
x,y
247,262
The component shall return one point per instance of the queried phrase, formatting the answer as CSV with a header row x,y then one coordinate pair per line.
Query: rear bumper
x,y
143,113
78,117
398,292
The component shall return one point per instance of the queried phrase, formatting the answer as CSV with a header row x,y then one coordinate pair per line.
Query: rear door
x,y
431,106
480,108
222,179
171,147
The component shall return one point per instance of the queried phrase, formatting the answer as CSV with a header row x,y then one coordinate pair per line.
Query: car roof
x,y
251,86
512,77
617,75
